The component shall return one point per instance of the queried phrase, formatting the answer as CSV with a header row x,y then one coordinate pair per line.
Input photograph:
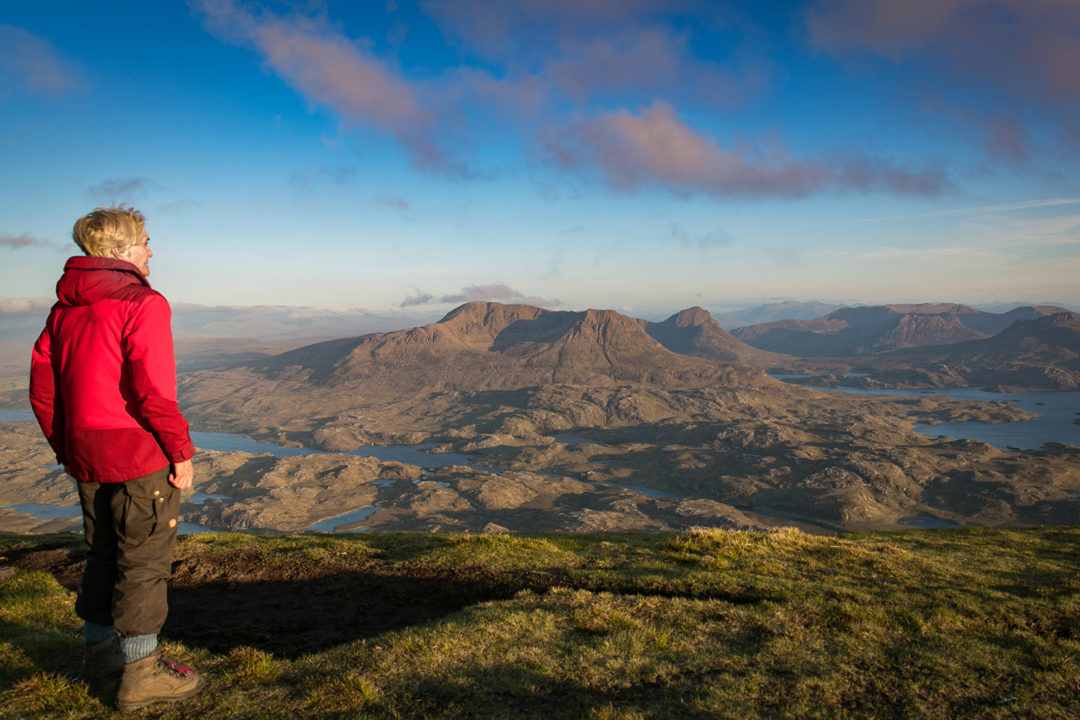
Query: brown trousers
x,y
131,531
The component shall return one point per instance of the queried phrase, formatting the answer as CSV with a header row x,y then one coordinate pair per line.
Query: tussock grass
x,y
704,624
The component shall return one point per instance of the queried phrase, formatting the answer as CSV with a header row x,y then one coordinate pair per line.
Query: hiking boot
x,y
156,679
102,664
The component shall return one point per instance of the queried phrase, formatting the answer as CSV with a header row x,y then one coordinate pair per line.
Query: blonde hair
x,y
111,228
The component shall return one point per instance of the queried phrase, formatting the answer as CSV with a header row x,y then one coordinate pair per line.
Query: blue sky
x,y
640,155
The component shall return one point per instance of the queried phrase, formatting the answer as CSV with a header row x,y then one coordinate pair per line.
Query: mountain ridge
x,y
868,330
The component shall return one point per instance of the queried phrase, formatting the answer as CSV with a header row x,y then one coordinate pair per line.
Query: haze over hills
x,y
771,312
877,329
22,319
206,336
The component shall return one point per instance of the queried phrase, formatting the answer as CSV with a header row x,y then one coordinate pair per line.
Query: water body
x,y
232,442
235,442
46,512
42,511
408,454
15,415
1055,422
200,498
1055,413
572,440
652,492
187,528
331,524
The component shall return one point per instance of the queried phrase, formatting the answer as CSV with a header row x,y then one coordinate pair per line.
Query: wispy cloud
x,y
702,242
994,209
417,298
394,202
1026,51
478,293
517,30
32,63
336,175
120,189
331,70
20,306
655,148
22,241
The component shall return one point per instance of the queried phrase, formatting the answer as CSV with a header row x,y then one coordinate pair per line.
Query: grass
x,y
927,624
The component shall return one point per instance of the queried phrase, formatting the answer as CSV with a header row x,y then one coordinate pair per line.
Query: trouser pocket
x,y
148,506
146,539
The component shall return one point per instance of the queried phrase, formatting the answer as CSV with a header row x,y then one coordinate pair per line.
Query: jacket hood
x,y
89,279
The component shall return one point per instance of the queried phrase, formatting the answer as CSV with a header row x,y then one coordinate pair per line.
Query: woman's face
x,y
139,255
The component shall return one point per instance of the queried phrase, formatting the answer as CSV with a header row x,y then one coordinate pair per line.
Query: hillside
x,y
580,421
495,346
703,624
1042,352
877,329
694,332
487,351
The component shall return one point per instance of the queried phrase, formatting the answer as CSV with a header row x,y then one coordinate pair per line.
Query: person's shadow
x,y
289,618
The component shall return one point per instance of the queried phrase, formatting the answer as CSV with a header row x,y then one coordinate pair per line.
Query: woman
x,y
103,388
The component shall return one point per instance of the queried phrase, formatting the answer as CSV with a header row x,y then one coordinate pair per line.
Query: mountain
x,y
1043,352
1000,307
481,354
771,312
695,332
488,345
882,328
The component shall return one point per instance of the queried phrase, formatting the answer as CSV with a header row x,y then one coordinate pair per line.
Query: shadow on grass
x,y
521,692
290,609
292,617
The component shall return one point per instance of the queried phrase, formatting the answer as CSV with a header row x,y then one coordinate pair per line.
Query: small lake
x,y
235,442
1058,413
331,524
1056,422
46,512
409,454
15,415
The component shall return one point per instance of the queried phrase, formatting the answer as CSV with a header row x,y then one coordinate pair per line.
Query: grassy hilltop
x,y
935,624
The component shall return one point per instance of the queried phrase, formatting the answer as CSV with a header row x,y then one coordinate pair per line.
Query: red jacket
x,y
103,375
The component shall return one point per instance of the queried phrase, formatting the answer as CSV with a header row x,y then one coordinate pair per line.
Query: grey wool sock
x,y
94,633
136,647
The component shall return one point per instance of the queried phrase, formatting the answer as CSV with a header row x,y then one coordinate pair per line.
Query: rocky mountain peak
x,y
691,317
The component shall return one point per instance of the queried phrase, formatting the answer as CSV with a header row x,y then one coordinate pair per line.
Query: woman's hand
x,y
182,475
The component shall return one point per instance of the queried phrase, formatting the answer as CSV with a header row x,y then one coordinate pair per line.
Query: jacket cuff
x,y
183,453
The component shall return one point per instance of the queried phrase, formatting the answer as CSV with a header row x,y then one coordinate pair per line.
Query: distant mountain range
x,y
1043,352
877,329
23,319
771,312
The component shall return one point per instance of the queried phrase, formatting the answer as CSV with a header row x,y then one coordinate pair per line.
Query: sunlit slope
x,y
941,624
